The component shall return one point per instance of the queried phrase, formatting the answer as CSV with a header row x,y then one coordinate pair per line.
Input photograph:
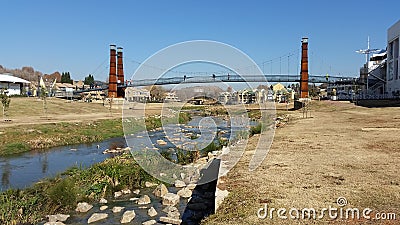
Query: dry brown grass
x,y
314,161
28,111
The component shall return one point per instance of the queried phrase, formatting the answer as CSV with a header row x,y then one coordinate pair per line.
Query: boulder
x,y
117,209
170,199
54,223
174,214
161,142
126,191
170,220
103,201
103,207
128,216
117,194
97,216
149,222
185,192
58,217
160,190
169,209
137,191
180,184
191,186
145,199
149,184
83,207
152,212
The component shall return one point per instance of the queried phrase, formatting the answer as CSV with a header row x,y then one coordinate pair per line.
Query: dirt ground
x,y
341,151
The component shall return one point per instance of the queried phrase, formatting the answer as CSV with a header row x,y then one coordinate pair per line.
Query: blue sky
x,y
75,35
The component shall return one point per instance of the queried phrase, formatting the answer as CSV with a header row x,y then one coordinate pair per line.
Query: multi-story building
x,y
133,94
393,68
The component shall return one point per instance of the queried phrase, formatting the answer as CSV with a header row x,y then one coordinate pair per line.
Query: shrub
x,y
63,193
256,129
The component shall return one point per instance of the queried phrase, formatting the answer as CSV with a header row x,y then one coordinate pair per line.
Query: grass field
x,y
66,123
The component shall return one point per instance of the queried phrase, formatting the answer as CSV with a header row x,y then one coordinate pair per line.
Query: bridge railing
x,y
232,78
238,78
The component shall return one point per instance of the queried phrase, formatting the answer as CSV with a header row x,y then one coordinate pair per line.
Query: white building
x,y
171,97
393,79
375,72
14,85
134,94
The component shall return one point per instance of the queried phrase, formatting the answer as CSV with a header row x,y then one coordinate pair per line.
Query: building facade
x,y
133,94
393,78
14,85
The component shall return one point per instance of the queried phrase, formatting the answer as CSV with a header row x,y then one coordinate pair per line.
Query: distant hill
x,y
28,73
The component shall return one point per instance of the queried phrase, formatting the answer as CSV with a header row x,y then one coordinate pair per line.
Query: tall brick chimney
x,y
304,68
120,73
112,79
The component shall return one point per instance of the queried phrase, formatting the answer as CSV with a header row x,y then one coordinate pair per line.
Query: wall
x,y
13,89
393,68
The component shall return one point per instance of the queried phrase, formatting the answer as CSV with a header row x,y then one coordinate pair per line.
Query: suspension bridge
x,y
238,78
117,83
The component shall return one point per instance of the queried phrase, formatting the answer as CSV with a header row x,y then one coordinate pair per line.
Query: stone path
x,y
180,204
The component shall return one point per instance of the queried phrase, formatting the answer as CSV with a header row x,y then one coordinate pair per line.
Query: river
x,y
22,170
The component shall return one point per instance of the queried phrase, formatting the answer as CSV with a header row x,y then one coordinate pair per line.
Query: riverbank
x,y
342,150
61,193
25,138
66,123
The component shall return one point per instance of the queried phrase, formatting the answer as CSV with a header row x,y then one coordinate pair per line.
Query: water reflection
x,y
44,162
5,173
20,171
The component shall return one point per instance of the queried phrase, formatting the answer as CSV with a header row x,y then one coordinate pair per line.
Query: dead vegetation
x,y
314,161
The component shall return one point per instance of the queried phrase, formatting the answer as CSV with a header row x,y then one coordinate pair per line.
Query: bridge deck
x,y
234,78
237,78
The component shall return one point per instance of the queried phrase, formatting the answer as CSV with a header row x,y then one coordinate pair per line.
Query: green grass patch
x,y
27,137
14,148
62,193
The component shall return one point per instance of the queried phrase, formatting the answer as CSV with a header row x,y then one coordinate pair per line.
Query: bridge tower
x,y
112,78
304,68
120,74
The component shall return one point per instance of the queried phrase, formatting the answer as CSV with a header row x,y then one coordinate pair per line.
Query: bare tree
x,y
157,92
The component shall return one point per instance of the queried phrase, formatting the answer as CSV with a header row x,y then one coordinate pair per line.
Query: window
x,y
396,58
390,70
390,51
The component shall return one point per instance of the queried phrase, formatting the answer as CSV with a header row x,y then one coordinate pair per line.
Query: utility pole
x,y
366,52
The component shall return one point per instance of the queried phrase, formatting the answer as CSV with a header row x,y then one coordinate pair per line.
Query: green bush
x,y
185,157
63,193
256,129
14,148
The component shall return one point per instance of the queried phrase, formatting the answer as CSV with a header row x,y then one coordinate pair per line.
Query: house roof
x,y
278,87
11,79
64,85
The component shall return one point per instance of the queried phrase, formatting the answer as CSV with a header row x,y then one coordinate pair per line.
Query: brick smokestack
x,y
304,68
112,79
120,72
120,67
